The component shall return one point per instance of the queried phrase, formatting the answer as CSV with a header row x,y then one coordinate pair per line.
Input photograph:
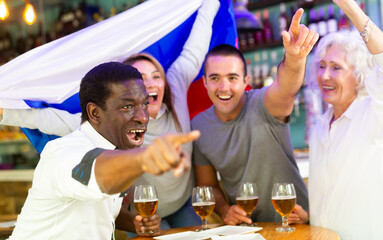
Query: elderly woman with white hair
x,y
346,144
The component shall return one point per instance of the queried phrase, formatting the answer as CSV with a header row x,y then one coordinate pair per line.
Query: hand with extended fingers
x,y
299,40
165,153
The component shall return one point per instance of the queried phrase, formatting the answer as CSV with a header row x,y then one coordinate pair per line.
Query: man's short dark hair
x,y
95,85
225,50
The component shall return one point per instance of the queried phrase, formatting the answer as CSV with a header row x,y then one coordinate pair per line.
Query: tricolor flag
x,y
50,75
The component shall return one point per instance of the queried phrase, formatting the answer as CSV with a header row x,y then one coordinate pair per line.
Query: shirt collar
x,y
349,113
352,109
161,112
98,140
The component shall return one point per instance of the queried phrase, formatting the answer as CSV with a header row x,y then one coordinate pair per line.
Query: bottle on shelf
x,y
249,68
362,6
274,68
2,41
332,24
250,40
312,23
267,27
265,67
257,83
259,40
273,71
283,20
242,40
322,23
343,22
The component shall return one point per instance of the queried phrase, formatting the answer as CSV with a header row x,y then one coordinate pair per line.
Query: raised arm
x,y
372,34
115,171
186,67
298,42
47,120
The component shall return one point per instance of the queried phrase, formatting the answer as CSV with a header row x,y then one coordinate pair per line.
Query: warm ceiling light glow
x,y
29,14
4,13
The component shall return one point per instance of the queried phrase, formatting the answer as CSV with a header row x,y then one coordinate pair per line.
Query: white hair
x,y
356,55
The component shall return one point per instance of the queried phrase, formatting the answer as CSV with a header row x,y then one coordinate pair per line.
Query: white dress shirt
x,y
346,166
60,207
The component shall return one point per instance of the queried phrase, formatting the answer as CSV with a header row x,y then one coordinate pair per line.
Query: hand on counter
x,y
298,215
145,224
235,215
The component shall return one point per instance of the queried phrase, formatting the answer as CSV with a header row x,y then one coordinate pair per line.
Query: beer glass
x,y
203,202
284,198
247,199
145,202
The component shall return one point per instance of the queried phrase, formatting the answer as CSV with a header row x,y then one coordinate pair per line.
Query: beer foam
x,y
146,200
203,203
283,197
247,198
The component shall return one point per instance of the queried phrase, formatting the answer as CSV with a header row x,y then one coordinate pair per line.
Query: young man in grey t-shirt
x,y
245,137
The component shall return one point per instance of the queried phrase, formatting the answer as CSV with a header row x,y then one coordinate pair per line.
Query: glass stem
x,y
285,223
204,223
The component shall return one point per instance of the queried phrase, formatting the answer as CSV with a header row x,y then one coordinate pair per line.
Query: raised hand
x,y
165,153
299,40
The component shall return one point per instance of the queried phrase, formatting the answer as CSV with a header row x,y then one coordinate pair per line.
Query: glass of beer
x,y
284,199
145,202
247,199
203,202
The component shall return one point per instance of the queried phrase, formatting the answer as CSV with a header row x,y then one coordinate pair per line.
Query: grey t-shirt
x,y
253,147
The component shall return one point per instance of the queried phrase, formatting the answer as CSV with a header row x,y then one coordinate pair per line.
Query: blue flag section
x,y
166,50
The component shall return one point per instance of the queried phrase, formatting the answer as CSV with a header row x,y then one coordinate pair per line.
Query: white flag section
x,y
53,71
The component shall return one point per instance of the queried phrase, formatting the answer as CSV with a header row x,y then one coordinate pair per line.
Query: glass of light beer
x,y
247,199
284,199
203,202
145,202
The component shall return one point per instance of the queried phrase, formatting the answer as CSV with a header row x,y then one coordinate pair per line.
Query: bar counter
x,y
302,232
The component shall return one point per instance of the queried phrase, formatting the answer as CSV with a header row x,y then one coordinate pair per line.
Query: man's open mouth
x,y
136,136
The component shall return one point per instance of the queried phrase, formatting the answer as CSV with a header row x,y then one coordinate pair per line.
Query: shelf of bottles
x,y
265,47
321,15
263,50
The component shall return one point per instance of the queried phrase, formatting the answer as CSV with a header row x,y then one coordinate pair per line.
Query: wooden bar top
x,y
6,232
302,232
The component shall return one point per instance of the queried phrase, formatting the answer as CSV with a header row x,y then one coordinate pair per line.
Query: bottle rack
x,y
260,60
260,5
